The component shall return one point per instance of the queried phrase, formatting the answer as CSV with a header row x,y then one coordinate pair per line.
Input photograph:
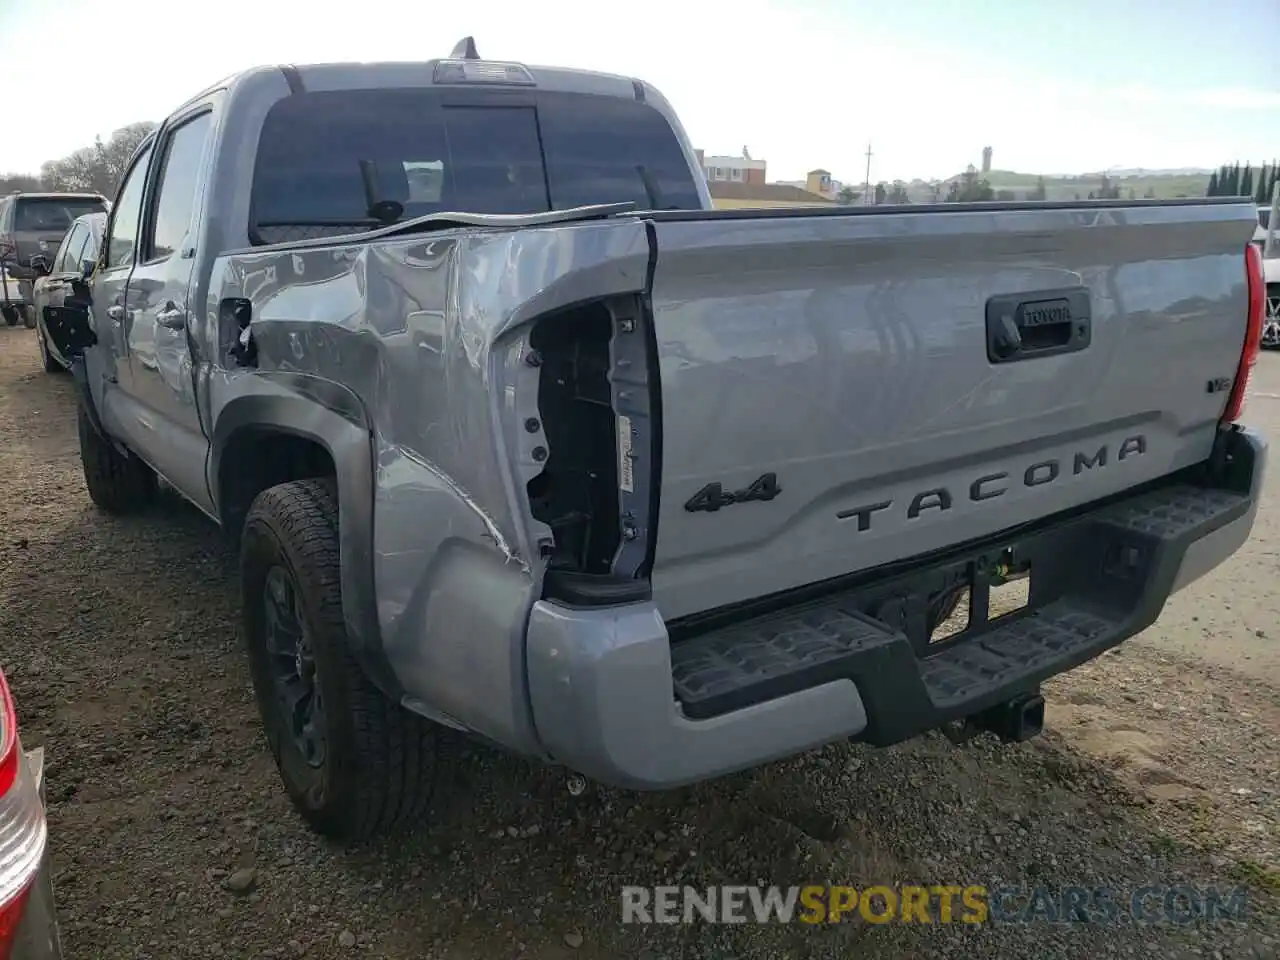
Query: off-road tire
x,y
380,760
117,482
51,364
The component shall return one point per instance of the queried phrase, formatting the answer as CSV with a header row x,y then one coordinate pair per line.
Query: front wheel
x,y
118,482
353,762
29,317
51,364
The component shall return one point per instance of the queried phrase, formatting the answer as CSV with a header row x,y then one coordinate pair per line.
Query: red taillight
x,y
23,830
1252,333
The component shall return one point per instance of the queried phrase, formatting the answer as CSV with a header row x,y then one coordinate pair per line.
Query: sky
x,y
1053,86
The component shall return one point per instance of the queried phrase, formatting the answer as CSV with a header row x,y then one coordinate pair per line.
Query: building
x,y
735,195
743,169
817,181
986,159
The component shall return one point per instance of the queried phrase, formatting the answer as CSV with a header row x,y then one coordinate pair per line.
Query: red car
x,y
28,924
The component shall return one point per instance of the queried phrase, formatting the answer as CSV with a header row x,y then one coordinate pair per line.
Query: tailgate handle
x,y
1039,323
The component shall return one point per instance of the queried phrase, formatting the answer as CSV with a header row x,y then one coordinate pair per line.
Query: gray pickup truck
x,y
519,437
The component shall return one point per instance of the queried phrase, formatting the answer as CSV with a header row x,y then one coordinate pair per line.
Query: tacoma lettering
x,y
992,485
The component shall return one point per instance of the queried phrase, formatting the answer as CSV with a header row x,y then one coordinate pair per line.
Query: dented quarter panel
x,y
426,337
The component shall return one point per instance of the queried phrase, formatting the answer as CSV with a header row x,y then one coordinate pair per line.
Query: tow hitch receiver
x,y
1014,720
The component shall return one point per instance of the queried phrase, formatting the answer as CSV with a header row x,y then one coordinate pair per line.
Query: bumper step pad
x,y
1102,577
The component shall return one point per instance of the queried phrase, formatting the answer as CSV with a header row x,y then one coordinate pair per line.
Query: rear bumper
x,y
615,699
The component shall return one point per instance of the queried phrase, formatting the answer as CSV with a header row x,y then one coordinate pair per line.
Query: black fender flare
x,y
332,416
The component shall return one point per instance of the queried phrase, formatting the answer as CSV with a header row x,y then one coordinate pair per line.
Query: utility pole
x,y
866,185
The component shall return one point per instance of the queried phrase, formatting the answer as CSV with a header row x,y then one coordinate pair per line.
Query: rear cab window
x,y
433,153
52,214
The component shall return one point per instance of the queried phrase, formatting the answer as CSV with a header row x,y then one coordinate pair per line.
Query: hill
x,y
1133,183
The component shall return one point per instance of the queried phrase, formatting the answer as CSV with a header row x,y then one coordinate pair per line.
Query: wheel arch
x,y
278,428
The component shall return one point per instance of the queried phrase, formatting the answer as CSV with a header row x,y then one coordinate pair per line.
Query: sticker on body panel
x,y
626,460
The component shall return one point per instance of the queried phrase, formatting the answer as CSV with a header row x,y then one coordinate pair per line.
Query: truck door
x,y
161,379
110,317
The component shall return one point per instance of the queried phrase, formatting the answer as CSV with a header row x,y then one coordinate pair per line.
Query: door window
x,y
72,247
125,215
178,182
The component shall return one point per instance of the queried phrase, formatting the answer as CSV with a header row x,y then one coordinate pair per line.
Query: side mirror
x,y
40,264
87,267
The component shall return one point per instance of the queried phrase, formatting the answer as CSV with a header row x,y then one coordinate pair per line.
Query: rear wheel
x,y
117,482
10,313
29,317
354,763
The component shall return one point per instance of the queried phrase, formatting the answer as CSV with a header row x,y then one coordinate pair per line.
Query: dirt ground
x,y
119,638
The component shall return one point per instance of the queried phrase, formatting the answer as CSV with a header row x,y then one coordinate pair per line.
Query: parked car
x,y
35,223
1271,273
545,449
28,919
55,278
13,298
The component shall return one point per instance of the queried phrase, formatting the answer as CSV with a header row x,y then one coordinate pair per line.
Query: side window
x,y
77,253
126,212
177,196
90,251
68,255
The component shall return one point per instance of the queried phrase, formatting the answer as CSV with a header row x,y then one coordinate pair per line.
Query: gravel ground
x,y
172,837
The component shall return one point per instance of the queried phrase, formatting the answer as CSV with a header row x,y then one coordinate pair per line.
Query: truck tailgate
x,y
858,359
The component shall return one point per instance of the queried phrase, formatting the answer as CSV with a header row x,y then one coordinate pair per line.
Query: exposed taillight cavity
x,y
23,829
1252,335
597,438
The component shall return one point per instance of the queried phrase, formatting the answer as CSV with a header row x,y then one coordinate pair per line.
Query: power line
x,y
867,183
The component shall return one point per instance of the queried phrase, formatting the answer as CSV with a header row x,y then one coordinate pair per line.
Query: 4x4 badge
x,y
713,496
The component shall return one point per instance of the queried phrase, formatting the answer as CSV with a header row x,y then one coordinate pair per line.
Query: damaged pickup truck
x,y
521,438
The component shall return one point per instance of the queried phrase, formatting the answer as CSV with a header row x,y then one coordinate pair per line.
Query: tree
x,y
1150,194
847,196
1246,182
1212,190
898,193
1040,192
1260,194
881,193
17,182
970,187
1107,190
97,168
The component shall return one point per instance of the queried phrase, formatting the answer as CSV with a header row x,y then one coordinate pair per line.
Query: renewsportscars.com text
x,y
940,903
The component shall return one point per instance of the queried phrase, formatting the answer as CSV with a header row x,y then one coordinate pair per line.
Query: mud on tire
x,y
377,766
117,482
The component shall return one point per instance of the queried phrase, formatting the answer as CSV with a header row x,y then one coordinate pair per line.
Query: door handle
x,y
115,312
172,319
